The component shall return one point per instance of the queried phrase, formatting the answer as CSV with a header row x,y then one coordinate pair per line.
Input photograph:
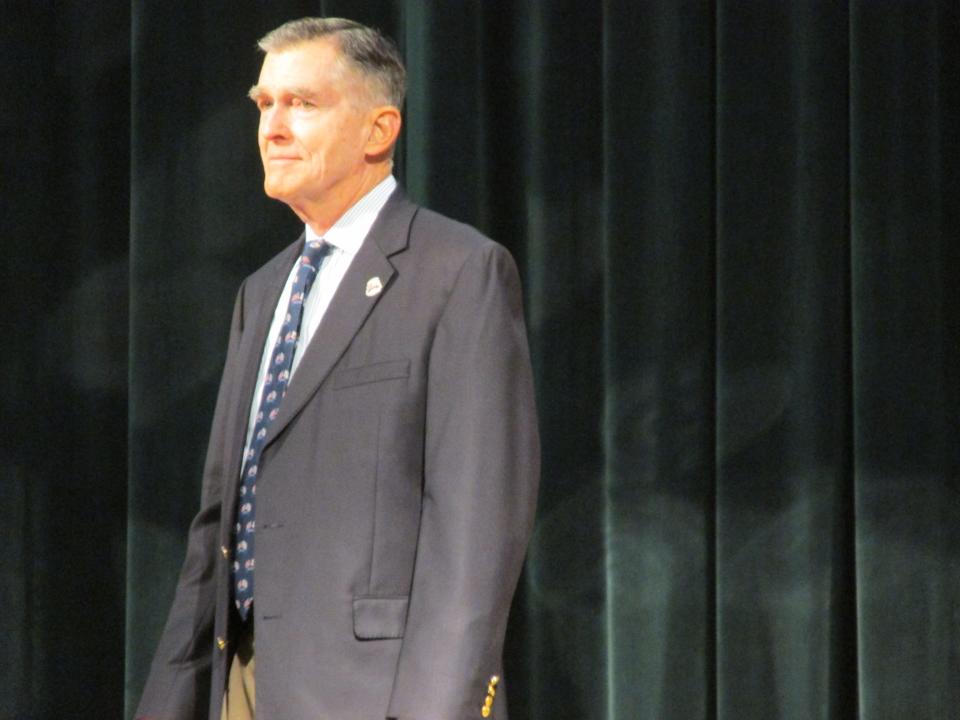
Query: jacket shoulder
x,y
430,225
439,236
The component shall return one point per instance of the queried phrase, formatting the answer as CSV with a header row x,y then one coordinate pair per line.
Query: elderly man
x,y
370,483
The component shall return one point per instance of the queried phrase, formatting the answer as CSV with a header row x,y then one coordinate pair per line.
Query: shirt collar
x,y
349,232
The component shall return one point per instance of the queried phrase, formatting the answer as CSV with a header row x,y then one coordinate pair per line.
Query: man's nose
x,y
273,122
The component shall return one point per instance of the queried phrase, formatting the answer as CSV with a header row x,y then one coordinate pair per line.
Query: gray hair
x,y
365,49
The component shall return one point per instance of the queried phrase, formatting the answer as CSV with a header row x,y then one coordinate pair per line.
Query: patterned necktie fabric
x,y
274,389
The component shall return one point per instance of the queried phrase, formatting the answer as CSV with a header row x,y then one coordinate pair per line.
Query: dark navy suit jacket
x,y
395,497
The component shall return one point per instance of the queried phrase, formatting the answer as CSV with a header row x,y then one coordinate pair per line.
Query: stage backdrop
x,y
737,225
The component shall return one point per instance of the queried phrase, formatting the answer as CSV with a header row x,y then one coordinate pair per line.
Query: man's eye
x,y
263,104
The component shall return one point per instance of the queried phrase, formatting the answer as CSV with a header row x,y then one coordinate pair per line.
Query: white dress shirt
x,y
345,238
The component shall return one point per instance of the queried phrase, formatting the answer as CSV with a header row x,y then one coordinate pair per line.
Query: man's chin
x,y
276,191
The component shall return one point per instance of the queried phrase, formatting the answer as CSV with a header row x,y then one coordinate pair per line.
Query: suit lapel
x,y
350,307
252,344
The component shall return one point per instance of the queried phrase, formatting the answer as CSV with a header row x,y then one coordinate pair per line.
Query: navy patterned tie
x,y
274,390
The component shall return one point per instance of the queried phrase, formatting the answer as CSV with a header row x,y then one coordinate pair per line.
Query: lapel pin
x,y
374,286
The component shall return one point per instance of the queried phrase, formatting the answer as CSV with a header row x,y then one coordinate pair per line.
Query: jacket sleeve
x,y
481,470
178,686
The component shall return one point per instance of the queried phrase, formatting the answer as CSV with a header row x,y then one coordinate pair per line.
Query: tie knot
x,y
313,252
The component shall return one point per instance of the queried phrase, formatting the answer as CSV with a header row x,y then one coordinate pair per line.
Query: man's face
x,y
313,125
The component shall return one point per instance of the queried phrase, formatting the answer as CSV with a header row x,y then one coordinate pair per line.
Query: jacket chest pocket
x,y
367,374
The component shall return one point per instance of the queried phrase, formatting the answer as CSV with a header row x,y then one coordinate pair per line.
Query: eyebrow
x,y
256,92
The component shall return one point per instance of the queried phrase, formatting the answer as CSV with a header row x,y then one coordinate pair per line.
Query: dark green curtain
x,y
738,231
64,218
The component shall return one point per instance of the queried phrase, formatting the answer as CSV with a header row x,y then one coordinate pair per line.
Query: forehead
x,y
315,63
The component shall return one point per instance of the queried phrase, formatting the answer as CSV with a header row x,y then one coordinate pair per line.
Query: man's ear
x,y
384,131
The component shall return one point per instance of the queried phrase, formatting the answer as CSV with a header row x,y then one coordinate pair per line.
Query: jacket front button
x,y
221,644
225,551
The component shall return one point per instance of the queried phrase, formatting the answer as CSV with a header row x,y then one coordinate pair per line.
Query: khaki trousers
x,y
240,699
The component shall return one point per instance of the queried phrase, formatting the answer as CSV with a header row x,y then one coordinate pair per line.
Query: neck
x,y
323,214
